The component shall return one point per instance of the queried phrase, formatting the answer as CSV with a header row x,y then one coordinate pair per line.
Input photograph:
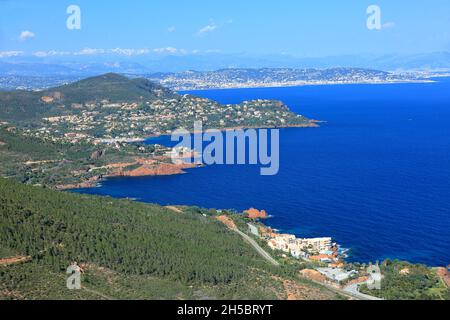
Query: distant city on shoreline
x,y
237,78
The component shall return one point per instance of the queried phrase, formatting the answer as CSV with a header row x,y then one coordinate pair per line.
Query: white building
x,y
253,229
336,274
317,244
290,244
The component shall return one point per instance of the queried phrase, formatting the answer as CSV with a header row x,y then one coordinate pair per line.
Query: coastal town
x,y
278,77
133,121
327,256
325,262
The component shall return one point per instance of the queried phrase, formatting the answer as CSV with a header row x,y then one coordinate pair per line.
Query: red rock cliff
x,y
256,214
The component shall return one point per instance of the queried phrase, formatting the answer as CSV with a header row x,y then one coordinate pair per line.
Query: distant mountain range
x,y
81,66
233,78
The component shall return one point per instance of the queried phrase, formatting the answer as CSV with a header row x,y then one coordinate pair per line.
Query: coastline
x,y
296,84
147,166
150,167
95,182
311,124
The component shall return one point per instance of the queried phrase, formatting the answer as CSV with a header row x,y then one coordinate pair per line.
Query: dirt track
x,y
14,260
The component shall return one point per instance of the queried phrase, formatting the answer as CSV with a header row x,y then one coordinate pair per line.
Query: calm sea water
x,y
375,177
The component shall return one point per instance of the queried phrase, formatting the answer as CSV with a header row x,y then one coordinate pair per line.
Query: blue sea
x,y
375,176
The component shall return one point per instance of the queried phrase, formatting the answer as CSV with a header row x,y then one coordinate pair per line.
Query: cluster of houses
x,y
313,249
106,120
321,250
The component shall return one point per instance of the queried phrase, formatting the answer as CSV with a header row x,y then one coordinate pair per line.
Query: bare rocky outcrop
x,y
313,275
14,260
444,274
162,169
139,168
253,213
227,221
90,183
174,209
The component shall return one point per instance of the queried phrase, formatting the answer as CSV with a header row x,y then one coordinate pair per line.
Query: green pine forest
x,y
136,250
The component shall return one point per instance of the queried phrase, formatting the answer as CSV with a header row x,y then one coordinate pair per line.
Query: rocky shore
x,y
256,214
163,166
150,169
139,168
90,183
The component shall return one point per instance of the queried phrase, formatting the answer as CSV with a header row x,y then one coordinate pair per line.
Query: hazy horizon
x,y
282,34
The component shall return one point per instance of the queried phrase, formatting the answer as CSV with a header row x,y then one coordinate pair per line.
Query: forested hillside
x,y
128,237
25,106
130,240
35,161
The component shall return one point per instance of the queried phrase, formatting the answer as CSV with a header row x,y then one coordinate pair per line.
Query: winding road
x,y
349,291
354,291
257,247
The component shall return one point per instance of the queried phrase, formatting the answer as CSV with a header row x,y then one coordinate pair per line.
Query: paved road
x,y
350,291
335,289
354,291
257,247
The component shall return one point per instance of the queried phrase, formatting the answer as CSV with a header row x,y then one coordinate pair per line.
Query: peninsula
x,y
75,135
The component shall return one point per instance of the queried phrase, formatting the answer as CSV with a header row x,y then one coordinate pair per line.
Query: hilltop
x,y
112,87
23,106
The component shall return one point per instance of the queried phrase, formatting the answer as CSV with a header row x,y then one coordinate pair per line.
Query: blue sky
x,y
296,27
